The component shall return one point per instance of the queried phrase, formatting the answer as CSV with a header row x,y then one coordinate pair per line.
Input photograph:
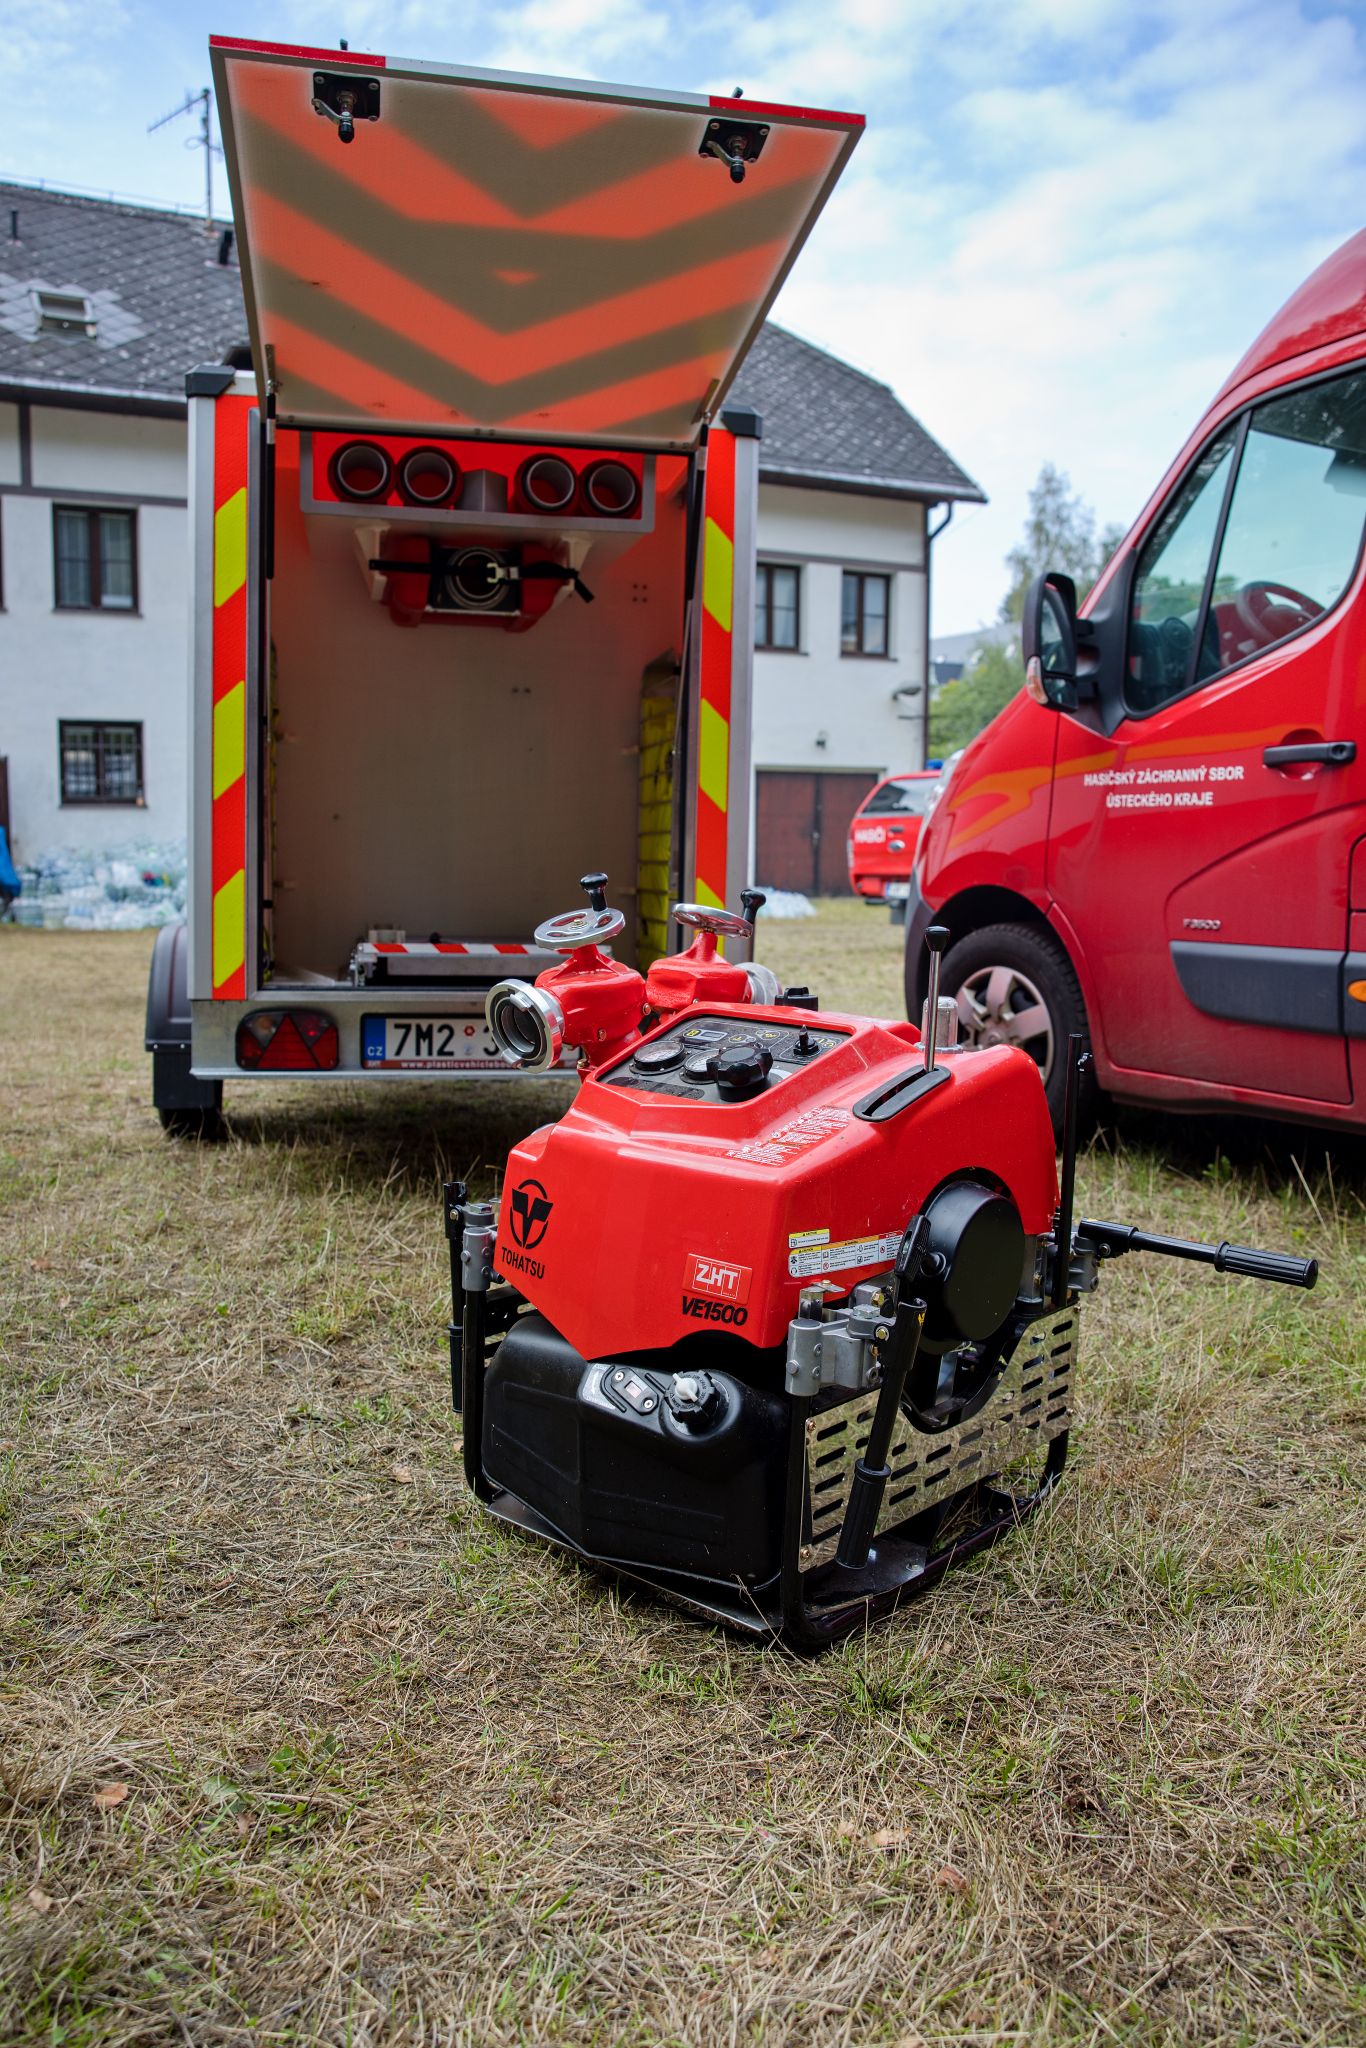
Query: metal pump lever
x,y
1113,1239
936,938
893,1097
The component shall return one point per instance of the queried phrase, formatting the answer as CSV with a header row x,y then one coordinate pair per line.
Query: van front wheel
x,y
1014,985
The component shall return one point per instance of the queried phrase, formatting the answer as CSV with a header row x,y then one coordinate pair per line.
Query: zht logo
x,y
717,1278
531,1207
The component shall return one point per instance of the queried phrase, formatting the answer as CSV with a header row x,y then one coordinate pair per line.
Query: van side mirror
x,y
1048,640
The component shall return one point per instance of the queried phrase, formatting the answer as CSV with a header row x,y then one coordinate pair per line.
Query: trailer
x,y
472,547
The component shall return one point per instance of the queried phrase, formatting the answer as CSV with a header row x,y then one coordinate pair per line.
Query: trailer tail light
x,y
362,471
287,1042
547,484
610,490
427,476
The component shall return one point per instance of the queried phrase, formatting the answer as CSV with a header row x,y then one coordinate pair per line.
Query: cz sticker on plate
x,y
428,1044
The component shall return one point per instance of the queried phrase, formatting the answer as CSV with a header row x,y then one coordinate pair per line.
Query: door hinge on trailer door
x,y
738,144
345,99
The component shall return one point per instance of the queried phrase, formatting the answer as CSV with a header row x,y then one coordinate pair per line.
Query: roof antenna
x,y
204,140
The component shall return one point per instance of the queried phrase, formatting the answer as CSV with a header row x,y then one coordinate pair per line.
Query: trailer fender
x,y
174,1088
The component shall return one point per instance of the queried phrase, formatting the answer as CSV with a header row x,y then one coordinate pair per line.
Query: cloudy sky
x,y
1066,220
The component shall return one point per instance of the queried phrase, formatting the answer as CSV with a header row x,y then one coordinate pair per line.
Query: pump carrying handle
x,y
1114,1239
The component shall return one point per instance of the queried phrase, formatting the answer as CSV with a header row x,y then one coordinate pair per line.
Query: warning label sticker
x,y
811,1128
835,1258
797,1240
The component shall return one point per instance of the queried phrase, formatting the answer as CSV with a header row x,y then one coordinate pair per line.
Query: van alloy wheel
x,y
1014,985
999,1005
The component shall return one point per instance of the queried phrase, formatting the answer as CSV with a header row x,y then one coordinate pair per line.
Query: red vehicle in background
x,y
1162,842
884,832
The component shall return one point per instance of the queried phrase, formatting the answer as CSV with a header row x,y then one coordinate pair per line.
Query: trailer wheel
x,y
198,1126
187,1106
1014,985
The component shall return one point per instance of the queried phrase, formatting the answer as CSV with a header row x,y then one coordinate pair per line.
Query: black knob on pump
x,y
595,888
741,1071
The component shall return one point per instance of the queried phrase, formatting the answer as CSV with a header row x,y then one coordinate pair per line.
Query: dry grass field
x,y
297,1747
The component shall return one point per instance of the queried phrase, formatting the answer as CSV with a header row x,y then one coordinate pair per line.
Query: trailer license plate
x,y
897,892
426,1044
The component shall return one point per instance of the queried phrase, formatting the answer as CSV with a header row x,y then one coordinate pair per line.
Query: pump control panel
x,y
720,1059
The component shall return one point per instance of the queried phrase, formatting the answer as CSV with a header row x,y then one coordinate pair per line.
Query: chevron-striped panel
x,y
713,723
231,432
510,256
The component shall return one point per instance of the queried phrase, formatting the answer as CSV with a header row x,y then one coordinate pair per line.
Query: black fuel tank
x,y
648,1461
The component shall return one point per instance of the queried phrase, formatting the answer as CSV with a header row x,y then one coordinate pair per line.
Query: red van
x,y
1162,843
883,834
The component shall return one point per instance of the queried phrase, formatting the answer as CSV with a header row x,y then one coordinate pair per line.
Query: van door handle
x,y
1332,753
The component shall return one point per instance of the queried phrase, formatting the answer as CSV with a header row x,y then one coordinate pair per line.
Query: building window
x,y
101,762
96,559
777,609
867,603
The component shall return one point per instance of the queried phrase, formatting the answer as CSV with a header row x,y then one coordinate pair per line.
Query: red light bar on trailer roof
x,y
299,50
769,109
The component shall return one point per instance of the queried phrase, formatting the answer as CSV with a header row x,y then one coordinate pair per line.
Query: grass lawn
x,y
297,1746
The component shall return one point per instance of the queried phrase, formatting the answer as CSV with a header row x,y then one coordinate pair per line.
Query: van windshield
x,y
901,799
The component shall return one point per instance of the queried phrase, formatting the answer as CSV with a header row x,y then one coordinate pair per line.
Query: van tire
x,y
1029,968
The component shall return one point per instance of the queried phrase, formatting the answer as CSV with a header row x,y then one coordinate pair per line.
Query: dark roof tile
x,y
162,301
823,419
164,304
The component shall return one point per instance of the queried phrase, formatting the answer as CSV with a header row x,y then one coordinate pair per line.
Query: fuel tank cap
x,y
741,1071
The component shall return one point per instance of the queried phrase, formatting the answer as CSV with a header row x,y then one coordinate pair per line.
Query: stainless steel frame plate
x,y
1031,1406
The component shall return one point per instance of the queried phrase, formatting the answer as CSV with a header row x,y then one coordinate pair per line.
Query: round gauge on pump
x,y
657,1058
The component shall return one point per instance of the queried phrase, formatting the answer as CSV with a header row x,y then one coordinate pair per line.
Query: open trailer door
x,y
440,249
493,321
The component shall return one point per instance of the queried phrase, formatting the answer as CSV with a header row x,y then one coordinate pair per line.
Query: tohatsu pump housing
x,y
781,1317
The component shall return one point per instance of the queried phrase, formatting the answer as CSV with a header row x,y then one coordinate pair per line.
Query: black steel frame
x,y
807,1610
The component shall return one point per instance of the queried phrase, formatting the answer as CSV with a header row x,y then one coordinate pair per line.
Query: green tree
x,y
960,710
1060,533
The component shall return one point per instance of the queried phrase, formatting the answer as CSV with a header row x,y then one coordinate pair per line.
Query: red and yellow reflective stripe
x,y
713,719
229,754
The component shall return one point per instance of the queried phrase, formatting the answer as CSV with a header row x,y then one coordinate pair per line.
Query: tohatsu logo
x,y
530,1218
529,1208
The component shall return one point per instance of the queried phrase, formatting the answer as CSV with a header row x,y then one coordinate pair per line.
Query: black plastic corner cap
x,y
211,380
743,421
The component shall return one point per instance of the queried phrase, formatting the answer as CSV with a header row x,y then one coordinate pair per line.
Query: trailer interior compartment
x,y
439,777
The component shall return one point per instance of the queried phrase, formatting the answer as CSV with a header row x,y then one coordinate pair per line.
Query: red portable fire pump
x,y
775,1315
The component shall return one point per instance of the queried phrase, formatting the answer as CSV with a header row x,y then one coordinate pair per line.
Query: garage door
x,y
802,827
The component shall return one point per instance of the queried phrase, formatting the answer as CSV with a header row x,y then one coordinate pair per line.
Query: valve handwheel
x,y
594,926
700,917
575,928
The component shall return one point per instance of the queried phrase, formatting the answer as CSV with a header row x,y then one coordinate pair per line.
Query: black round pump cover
x,y
977,1235
741,1071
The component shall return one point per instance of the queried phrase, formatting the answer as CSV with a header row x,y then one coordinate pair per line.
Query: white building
x,y
104,307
